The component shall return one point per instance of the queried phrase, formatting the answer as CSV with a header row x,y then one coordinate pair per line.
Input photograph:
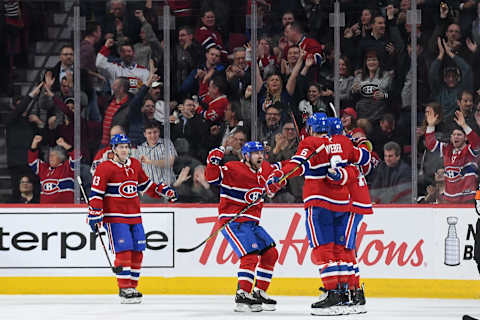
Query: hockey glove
x,y
275,183
215,156
95,218
168,192
334,174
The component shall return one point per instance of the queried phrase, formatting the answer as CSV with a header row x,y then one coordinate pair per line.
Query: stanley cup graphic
x,y
452,244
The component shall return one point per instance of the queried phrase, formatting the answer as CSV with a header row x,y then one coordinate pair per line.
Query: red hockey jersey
x,y
317,190
216,108
56,183
115,189
460,166
239,186
312,47
103,154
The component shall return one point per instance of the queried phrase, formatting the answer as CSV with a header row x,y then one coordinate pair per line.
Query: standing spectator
x,y
141,109
207,35
136,74
465,105
56,176
188,55
238,74
294,33
93,34
460,159
117,110
286,144
27,192
233,146
149,48
120,24
193,128
152,154
216,101
455,79
391,180
271,126
371,88
197,81
64,69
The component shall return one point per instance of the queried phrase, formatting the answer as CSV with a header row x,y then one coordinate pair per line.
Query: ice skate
x,y
358,300
268,304
137,295
127,296
330,304
245,302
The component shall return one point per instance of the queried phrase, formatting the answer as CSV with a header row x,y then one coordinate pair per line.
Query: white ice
x,y
159,307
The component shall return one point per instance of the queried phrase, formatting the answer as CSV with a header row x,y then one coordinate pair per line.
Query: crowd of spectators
x,y
211,60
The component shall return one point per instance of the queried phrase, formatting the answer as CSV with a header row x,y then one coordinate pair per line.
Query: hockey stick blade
x,y
467,317
214,234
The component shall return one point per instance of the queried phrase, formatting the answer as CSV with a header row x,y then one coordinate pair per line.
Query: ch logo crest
x,y
128,189
50,186
253,194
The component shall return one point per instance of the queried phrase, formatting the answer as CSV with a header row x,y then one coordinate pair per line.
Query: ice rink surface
x,y
159,307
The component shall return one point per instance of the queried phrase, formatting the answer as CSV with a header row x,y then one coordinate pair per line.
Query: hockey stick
x,y
115,270
333,109
285,177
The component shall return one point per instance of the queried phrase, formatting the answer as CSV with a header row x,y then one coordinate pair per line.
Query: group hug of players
x,y
335,198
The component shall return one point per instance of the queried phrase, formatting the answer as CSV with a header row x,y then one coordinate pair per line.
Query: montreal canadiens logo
x,y
128,189
368,89
452,173
253,194
50,186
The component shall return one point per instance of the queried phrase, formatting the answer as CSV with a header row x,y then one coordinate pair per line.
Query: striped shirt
x,y
107,120
154,153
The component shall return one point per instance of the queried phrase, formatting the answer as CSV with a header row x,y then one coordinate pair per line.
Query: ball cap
x,y
351,112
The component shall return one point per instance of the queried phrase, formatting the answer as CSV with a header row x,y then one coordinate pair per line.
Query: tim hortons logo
x,y
372,250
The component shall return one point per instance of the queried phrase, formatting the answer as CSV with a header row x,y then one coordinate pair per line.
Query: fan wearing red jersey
x,y
56,176
114,202
241,183
327,205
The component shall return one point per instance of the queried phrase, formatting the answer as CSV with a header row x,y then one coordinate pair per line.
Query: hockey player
x,y
360,204
327,205
114,202
241,183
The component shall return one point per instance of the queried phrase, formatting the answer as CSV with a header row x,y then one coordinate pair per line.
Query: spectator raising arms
x,y
56,176
459,158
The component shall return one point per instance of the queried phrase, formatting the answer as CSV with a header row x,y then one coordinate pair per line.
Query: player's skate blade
x,y
268,304
127,296
245,302
330,304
